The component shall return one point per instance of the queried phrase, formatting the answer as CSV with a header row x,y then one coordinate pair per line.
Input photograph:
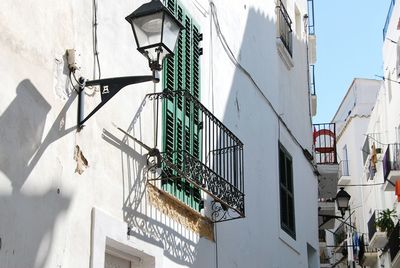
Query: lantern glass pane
x,y
342,202
148,29
170,32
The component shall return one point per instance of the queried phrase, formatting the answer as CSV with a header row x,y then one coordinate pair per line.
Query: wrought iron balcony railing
x,y
216,168
394,242
372,139
312,79
285,28
372,224
391,159
311,25
322,236
388,16
367,256
324,136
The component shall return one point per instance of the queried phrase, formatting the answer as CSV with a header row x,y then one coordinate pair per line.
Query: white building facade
x,y
231,118
368,145
351,122
383,133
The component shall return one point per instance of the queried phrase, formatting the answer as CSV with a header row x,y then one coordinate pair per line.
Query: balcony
x,y
312,40
367,256
285,28
312,90
311,21
391,166
388,16
323,251
217,167
344,175
339,237
394,246
326,208
324,137
377,239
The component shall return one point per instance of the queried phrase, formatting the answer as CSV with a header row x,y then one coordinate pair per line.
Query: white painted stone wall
x,y
53,217
352,119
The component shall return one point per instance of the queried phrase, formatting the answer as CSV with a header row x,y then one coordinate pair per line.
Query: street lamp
x,y
342,200
156,32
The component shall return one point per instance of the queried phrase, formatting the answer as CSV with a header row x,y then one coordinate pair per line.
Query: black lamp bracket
x,y
109,87
326,218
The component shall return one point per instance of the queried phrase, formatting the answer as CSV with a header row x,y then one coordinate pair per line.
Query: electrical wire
x,y
388,79
72,84
93,88
96,60
372,184
232,57
76,80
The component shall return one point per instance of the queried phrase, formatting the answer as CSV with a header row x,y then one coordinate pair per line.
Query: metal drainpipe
x,y
216,246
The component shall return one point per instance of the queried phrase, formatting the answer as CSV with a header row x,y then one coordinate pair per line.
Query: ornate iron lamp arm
x,y
108,88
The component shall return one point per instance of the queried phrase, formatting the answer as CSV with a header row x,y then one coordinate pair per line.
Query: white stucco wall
x,y
48,212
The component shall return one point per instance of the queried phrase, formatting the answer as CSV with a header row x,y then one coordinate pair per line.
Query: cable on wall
x,y
358,185
232,57
96,60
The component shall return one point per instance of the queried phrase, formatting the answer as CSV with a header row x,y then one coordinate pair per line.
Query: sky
x,y
349,45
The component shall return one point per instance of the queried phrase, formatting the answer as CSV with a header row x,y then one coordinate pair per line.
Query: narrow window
x,y
285,28
286,192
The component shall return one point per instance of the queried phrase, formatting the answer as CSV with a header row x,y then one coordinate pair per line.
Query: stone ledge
x,y
180,212
284,54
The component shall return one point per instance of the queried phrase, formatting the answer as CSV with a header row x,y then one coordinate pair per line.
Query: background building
x,y
231,118
368,146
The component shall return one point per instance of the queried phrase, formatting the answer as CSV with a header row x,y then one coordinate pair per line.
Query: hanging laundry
x,y
356,245
350,255
362,248
374,158
397,188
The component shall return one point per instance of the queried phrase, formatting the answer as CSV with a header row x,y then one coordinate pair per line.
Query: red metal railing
x,y
324,137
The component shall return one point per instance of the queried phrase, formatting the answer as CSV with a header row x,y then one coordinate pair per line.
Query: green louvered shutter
x,y
181,121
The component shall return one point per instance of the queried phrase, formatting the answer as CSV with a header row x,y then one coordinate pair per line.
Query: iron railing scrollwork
x,y
218,171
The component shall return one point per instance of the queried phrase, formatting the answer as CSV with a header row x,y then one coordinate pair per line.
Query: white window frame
x,y
109,234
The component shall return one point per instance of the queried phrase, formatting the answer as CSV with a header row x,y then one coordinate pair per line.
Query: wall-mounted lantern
x,y
342,201
156,32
